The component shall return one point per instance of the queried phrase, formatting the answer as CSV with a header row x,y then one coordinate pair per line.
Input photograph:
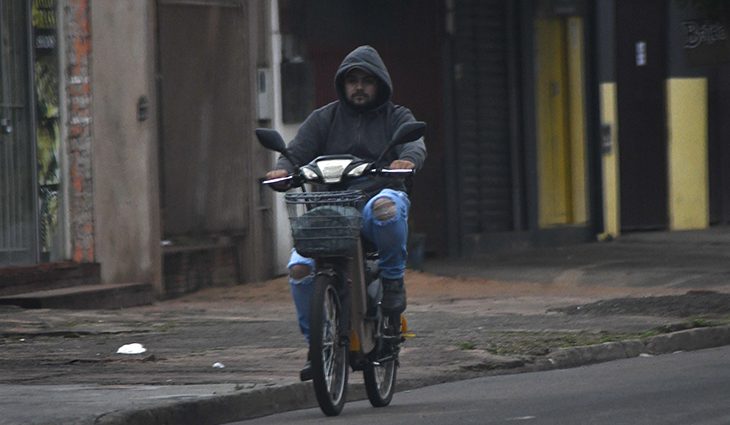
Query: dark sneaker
x,y
306,373
394,296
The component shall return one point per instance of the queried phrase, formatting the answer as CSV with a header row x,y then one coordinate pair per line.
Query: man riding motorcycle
x,y
360,123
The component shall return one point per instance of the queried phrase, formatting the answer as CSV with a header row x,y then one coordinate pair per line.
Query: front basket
x,y
325,223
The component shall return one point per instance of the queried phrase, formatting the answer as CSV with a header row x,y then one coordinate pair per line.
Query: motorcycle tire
x,y
328,353
380,375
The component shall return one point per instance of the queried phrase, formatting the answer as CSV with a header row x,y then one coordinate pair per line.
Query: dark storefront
x,y
409,35
467,68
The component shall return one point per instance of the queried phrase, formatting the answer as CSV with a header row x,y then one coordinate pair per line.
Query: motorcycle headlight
x,y
358,171
333,169
309,174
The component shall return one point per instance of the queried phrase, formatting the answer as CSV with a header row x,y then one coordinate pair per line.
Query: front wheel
x,y
381,371
327,351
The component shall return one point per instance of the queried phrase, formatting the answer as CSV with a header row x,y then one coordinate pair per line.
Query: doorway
x,y
640,76
719,148
560,121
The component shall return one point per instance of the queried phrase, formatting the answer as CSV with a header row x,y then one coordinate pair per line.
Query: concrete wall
x,y
125,165
282,234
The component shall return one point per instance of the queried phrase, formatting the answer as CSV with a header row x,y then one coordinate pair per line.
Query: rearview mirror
x,y
408,132
271,139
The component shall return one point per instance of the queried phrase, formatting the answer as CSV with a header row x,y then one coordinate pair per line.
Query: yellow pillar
x,y
561,122
553,147
687,150
611,200
576,118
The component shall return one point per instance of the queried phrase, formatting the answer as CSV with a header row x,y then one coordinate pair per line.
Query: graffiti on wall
x,y
48,137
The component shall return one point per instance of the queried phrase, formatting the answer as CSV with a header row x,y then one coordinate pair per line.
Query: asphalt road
x,y
681,388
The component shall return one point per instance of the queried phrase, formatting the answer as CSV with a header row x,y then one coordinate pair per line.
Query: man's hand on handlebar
x,y
399,168
277,174
402,164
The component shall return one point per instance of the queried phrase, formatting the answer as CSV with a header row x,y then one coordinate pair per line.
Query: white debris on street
x,y
134,348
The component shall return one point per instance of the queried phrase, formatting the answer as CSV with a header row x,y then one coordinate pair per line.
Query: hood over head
x,y
367,59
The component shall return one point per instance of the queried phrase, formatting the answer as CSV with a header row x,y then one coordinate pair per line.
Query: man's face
x,y
361,88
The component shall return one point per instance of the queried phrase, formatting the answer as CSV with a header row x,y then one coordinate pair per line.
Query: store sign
x,y
706,42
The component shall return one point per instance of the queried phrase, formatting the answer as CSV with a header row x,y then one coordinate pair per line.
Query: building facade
x,y
126,128
505,88
550,121
663,79
126,143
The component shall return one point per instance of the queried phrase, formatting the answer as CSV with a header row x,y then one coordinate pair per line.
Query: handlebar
x,y
296,180
263,180
396,172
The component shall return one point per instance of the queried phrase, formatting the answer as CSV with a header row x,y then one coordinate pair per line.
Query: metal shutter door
x,y
482,116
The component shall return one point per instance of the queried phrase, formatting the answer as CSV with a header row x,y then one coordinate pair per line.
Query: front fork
x,y
337,271
362,331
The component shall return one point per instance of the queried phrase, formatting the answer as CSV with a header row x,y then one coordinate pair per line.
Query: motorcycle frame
x,y
362,331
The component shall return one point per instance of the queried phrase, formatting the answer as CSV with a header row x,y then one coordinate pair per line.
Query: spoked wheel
x,y
381,372
328,354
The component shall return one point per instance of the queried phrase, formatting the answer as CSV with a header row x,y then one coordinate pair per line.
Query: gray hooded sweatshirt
x,y
339,128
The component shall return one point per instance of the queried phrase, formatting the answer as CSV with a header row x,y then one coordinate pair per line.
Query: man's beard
x,y
369,104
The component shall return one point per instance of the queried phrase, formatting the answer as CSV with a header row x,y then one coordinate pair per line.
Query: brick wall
x,y
77,33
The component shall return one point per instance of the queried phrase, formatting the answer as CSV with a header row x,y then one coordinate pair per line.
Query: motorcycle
x,y
348,327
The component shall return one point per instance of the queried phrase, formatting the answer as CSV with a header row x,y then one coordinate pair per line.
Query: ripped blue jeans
x,y
385,224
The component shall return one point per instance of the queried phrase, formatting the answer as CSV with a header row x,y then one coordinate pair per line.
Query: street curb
x,y
219,409
686,340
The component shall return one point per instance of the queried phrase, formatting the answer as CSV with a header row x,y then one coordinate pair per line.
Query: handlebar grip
x,y
397,172
266,181
282,184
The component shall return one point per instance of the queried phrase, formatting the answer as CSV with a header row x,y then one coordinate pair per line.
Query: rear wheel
x,y
327,351
381,371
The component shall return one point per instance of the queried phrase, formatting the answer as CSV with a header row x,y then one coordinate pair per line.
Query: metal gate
x,y
482,88
18,211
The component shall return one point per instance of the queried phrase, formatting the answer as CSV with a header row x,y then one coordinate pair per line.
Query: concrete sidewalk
x,y
226,354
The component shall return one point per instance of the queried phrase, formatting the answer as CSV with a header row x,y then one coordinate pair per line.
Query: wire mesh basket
x,y
325,223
